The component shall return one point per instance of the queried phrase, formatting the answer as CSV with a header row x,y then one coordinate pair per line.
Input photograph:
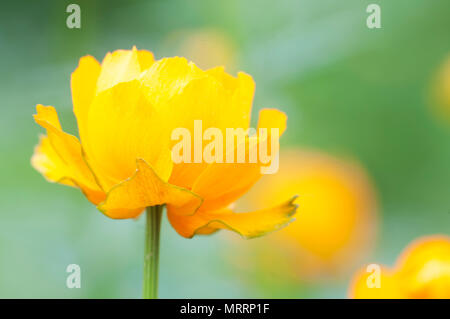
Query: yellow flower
x,y
337,220
126,108
421,272
207,47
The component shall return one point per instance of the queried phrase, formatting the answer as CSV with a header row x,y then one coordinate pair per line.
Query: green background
x,y
347,90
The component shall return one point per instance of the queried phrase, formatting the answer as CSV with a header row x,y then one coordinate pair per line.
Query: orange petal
x,y
222,184
59,156
248,225
119,66
145,189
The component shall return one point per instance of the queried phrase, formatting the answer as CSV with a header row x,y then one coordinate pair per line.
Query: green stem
x,y
151,258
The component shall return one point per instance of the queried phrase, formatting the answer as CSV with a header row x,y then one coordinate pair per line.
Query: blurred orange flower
x,y
422,271
336,221
126,108
207,47
442,91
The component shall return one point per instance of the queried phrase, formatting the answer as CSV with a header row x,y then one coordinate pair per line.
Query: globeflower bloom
x,y
126,109
421,272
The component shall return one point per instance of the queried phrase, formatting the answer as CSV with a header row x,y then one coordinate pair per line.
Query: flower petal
x,y
59,156
47,162
248,225
123,66
145,189
272,118
361,285
242,90
423,268
220,184
175,85
218,99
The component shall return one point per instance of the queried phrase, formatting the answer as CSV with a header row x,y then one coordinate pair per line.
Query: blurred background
x,y
367,147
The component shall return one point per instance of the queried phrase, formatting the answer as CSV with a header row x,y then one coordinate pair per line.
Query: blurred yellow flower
x,y
422,271
207,47
336,219
126,108
442,91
